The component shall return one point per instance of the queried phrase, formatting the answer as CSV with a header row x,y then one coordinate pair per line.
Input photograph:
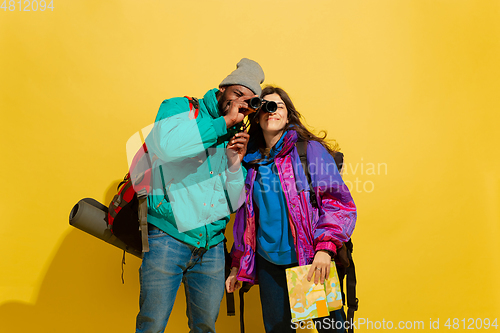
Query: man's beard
x,y
223,106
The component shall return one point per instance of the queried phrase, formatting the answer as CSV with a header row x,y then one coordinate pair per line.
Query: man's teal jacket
x,y
193,190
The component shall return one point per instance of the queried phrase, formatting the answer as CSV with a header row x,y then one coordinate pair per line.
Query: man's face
x,y
231,93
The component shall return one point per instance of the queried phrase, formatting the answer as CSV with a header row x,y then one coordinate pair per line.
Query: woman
x,y
278,227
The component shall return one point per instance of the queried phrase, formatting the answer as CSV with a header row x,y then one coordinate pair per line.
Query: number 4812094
x,y
471,323
27,5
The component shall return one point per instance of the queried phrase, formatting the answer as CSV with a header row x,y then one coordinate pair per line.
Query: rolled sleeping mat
x,y
90,215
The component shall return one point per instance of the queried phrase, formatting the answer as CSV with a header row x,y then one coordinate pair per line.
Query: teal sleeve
x,y
235,186
175,135
219,125
245,172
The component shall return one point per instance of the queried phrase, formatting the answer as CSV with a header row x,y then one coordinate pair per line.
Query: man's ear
x,y
220,92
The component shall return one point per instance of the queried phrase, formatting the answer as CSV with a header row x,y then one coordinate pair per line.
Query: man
x,y
197,182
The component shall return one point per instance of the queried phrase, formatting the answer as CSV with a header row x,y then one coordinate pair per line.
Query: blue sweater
x,y
274,238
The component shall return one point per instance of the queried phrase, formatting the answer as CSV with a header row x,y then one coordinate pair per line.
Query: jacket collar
x,y
210,102
284,145
288,143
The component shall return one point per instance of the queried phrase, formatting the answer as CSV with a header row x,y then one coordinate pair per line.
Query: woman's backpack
x,y
343,260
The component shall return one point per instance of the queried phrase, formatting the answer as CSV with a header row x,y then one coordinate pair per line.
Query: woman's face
x,y
276,121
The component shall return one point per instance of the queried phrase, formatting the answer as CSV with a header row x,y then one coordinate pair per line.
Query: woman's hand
x,y
236,150
320,267
231,283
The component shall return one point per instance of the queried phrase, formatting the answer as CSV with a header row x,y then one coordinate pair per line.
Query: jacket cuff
x,y
219,126
235,258
237,175
327,246
235,263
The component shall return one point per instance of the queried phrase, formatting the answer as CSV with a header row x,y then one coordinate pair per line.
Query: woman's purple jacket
x,y
313,229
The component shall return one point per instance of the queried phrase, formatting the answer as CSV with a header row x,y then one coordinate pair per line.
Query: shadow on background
x,y
82,292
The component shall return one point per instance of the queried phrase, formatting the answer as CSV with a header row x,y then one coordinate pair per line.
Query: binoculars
x,y
256,103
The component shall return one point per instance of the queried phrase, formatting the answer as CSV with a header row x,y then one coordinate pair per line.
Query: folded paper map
x,y
308,300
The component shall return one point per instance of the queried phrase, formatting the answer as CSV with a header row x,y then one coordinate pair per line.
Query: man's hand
x,y
236,150
238,109
232,284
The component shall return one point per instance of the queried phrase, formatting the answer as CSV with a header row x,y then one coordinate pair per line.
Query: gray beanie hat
x,y
248,73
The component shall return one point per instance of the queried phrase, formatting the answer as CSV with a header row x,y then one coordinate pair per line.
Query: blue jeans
x,y
276,304
170,262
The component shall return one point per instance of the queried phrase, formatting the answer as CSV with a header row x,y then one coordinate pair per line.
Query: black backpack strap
x,y
229,296
352,300
339,160
142,196
230,304
348,273
244,289
302,150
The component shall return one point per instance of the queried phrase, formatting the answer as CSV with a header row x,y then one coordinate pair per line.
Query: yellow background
x,y
410,86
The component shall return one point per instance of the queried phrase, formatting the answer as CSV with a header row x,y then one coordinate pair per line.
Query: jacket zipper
x,y
290,220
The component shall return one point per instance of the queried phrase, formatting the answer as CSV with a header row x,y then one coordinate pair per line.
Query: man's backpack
x,y
128,211
343,260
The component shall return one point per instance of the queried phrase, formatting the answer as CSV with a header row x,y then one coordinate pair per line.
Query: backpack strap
x,y
194,107
339,160
348,273
229,296
352,301
142,196
302,150
244,289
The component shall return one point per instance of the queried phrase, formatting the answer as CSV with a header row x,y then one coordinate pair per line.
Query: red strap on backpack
x,y
194,107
